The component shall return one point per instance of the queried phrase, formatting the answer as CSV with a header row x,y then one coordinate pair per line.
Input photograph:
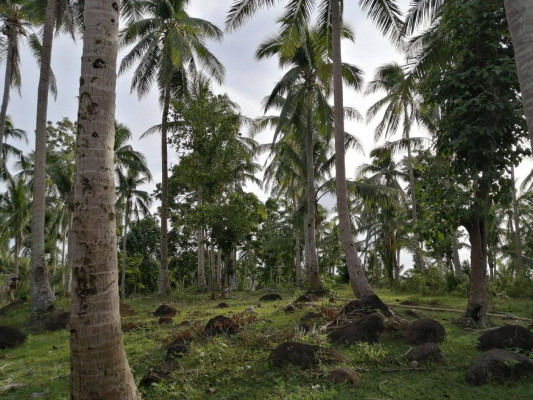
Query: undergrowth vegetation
x,y
237,366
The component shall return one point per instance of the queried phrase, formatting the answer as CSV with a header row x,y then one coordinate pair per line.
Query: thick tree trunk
x,y
164,283
41,292
98,365
234,270
315,284
518,261
455,257
201,254
360,284
306,246
5,96
124,252
520,20
477,231
68,287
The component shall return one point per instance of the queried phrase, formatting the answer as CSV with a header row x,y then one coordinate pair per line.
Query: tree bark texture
x,y
520,20
42,295
358,280
164,283
98,365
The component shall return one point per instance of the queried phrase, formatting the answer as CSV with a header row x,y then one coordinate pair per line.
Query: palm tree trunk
x,y
219,267
70,254
518,264
124,252
298,258
41,292
520,19
5,97
418,254
98,365
360,284
315,284
201,253
164,283
18,240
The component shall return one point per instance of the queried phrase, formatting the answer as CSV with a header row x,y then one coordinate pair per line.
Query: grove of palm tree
x,y
183,238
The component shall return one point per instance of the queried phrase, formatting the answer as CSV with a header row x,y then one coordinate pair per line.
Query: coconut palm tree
x,y
14,25
10,150
15,205
126,157
306,87
386,15
169,46
98,364
135,202
401,104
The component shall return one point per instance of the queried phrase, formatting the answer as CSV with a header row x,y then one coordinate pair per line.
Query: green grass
x,y
236,367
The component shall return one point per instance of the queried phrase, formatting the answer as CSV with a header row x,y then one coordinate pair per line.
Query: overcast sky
x,y
247,81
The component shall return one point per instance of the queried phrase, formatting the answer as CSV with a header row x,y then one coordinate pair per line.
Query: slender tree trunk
x,y
41,292
518,261
360,284
201,253
16,259
315,284
455,257
520,20
63,253
298,258
164,284
124,252
70,253
98,365
477,230
234,270
306,246
397,265
418,253
219,267
5,98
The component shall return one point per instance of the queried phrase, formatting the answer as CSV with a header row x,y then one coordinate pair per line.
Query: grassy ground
x,y
236,367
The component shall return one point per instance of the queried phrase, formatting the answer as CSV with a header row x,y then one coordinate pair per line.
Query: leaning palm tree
x,y
306,86
401,104
169,46
135,202
386,15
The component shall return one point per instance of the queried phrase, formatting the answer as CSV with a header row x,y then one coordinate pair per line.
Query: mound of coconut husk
x,y
366,329
307,298
425,330
10,337
177,349
304,355
365,306
270,297
220,325
498,365
426,352
343,375
165,310
507,337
